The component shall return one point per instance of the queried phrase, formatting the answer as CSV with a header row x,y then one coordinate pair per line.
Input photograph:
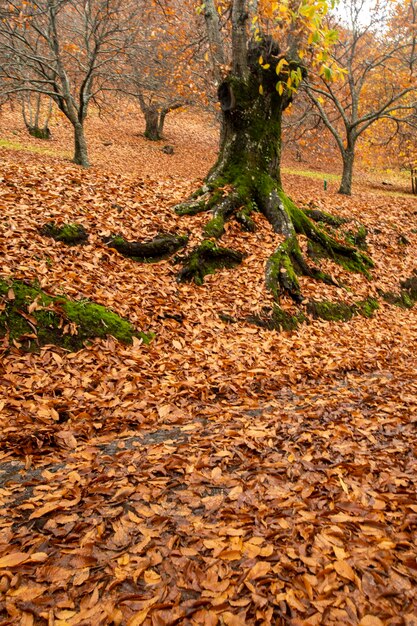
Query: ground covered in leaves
x,y
224,473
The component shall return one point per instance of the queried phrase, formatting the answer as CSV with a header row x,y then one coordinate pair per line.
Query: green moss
x,y
71,234
325,218
215,227
340,311
367,307
410,285
160,247
280,271
117,241
57,320
357,237
330,311
310,174
277,319
206,259
406,297
244,217
281,320
13,145
39,133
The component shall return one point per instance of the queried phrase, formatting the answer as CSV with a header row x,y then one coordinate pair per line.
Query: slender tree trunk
x,y
152,124
80,146
347,175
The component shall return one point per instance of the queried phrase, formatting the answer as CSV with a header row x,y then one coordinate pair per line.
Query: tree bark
x,y
80,146
152,124
348,157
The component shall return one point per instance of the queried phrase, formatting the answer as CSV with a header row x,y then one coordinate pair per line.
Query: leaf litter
x,y
224,474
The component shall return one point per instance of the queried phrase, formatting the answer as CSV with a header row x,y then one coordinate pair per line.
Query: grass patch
x,y
311,174
15,145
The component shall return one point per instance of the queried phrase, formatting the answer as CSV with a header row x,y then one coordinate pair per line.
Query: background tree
x,y
258,78
379,83
162,66
65,49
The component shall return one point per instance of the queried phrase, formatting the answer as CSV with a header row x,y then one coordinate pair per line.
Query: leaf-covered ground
x,y
224,474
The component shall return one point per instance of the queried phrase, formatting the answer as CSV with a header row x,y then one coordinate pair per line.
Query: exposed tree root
x,y
246,176
161,246
407,296
205,259
71,234
326,218
33,318
239,200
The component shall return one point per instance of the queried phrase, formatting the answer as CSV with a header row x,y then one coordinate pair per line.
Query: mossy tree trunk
x,y
247,175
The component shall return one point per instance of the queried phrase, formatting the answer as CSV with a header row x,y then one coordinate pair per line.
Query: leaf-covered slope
x,y
224,473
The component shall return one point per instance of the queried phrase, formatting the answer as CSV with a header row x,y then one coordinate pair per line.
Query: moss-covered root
x,y
406,297
284,265
280,274
324,218
321,244
340,311
71,234
205,259
197,203
30,318
221,212
278,319
160,247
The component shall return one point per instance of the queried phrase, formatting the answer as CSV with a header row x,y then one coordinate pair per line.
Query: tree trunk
x,y
152,124
80,146
247,175
347,175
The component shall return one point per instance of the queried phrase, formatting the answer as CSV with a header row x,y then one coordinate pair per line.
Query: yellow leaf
x,y
38,557
261,90
280,65
216,472
151,577
233,620
343,485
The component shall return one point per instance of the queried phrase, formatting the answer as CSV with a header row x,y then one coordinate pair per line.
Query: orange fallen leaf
x,y
344,569
14,559
261,568
371,620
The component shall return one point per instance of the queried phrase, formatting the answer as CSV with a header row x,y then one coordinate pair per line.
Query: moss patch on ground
x,y
406,297
340,311
31,318
205,259
278,319
71,234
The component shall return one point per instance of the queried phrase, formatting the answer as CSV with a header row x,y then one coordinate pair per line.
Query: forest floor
x,y
224,474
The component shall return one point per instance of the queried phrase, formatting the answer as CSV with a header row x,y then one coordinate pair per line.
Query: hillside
x,y
224,473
